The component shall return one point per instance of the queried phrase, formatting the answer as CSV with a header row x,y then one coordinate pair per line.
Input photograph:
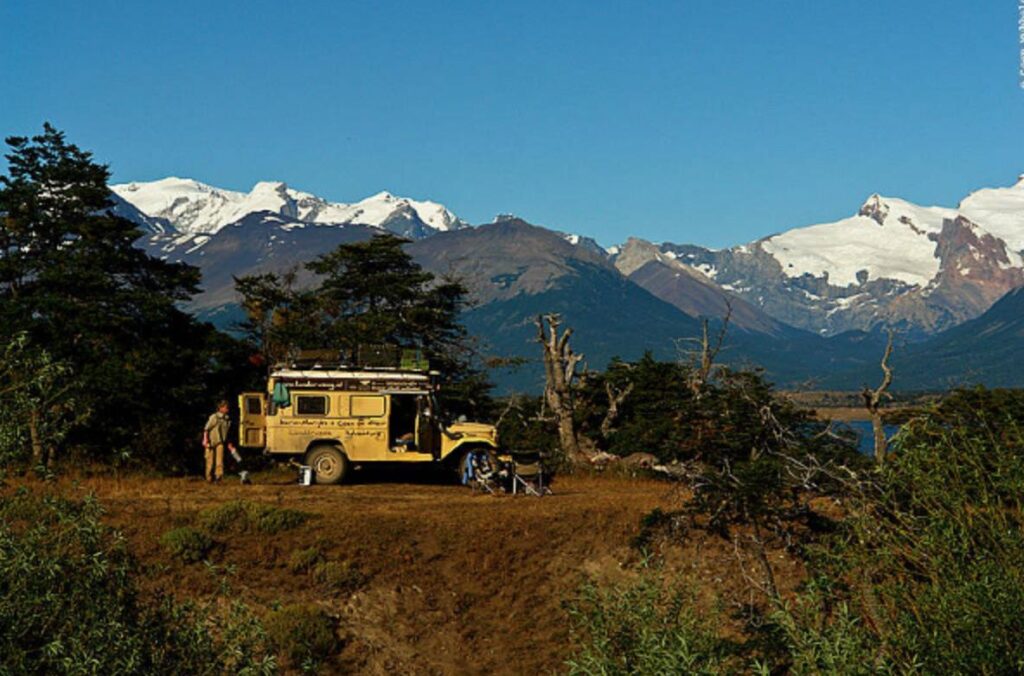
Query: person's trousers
x,y
214,462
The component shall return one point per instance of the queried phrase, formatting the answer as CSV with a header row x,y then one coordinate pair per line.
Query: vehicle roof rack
x,y
372,357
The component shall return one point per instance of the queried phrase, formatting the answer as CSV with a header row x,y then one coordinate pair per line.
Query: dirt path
x,y
456,583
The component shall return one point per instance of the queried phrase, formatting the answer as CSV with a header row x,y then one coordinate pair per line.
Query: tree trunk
x,y
881,445
567,437
560,371
38,453
873,403
766,569
615,400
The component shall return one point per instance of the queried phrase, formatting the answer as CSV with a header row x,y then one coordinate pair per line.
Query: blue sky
x,y
703,121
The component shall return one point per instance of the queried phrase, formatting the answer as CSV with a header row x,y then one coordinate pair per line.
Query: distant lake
x,y
865,436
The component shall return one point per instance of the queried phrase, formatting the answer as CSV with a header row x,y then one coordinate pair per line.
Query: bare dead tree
x,y
560,364
873,402
704,356
616,397
513,403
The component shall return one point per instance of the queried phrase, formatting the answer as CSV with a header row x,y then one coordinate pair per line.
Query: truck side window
x,y
252,406
363,406
310,405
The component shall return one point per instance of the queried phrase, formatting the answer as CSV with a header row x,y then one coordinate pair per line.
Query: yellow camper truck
x,y
335,418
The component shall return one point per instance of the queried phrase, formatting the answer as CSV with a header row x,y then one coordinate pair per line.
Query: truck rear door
x,y
252,424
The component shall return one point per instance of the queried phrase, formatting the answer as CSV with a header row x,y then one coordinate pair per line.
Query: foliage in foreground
x,y
69,603
931,560
924,574
187,543
303,634
645,627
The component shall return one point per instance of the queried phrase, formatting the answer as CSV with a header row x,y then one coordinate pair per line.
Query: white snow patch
x,y
840,304
707,269
196,208
898,248
197,243
1000,211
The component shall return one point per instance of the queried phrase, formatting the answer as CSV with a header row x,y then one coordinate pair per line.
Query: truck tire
x,y
330,466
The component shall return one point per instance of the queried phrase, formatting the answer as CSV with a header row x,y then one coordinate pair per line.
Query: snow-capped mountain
x,y
919,268
1000,211
196,210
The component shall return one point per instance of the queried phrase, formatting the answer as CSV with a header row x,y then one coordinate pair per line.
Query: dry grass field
x,y
428,577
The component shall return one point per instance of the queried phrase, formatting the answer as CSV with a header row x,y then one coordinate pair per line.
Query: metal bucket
x,y
305,475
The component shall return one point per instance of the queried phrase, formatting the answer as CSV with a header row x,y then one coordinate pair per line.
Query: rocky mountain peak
x,y
875,209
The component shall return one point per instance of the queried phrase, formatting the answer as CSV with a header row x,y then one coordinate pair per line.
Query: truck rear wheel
x,y
330,466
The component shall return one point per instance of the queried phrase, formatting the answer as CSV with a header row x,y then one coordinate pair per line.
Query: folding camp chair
x,y
529,476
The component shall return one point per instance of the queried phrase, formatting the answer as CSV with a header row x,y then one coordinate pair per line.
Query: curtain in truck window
x,y
307,405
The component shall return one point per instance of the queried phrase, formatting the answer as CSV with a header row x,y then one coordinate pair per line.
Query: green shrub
x,y
303,560
813,636
302,634
246,517
70,604
187,543
222,518
339,576
272,520
942,542
919,570
926,574
644,628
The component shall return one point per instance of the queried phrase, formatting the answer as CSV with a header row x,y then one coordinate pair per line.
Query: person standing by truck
x,y
215,438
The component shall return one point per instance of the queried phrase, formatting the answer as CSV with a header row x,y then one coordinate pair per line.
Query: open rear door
x,y
252,425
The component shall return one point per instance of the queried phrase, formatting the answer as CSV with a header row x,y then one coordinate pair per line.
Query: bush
x,y
811,636
644,628
942,541
186,543
303,634
927,572
69,603
922,573
339,576
303,560
246,517
272,520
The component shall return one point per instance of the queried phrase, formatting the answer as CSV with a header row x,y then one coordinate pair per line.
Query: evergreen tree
x,y
73,282
367,293
373,292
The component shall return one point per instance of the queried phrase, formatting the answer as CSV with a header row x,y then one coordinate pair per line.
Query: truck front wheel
x,y
330,466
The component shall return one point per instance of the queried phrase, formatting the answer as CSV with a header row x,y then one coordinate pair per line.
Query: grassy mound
x,y
186,543
245,516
